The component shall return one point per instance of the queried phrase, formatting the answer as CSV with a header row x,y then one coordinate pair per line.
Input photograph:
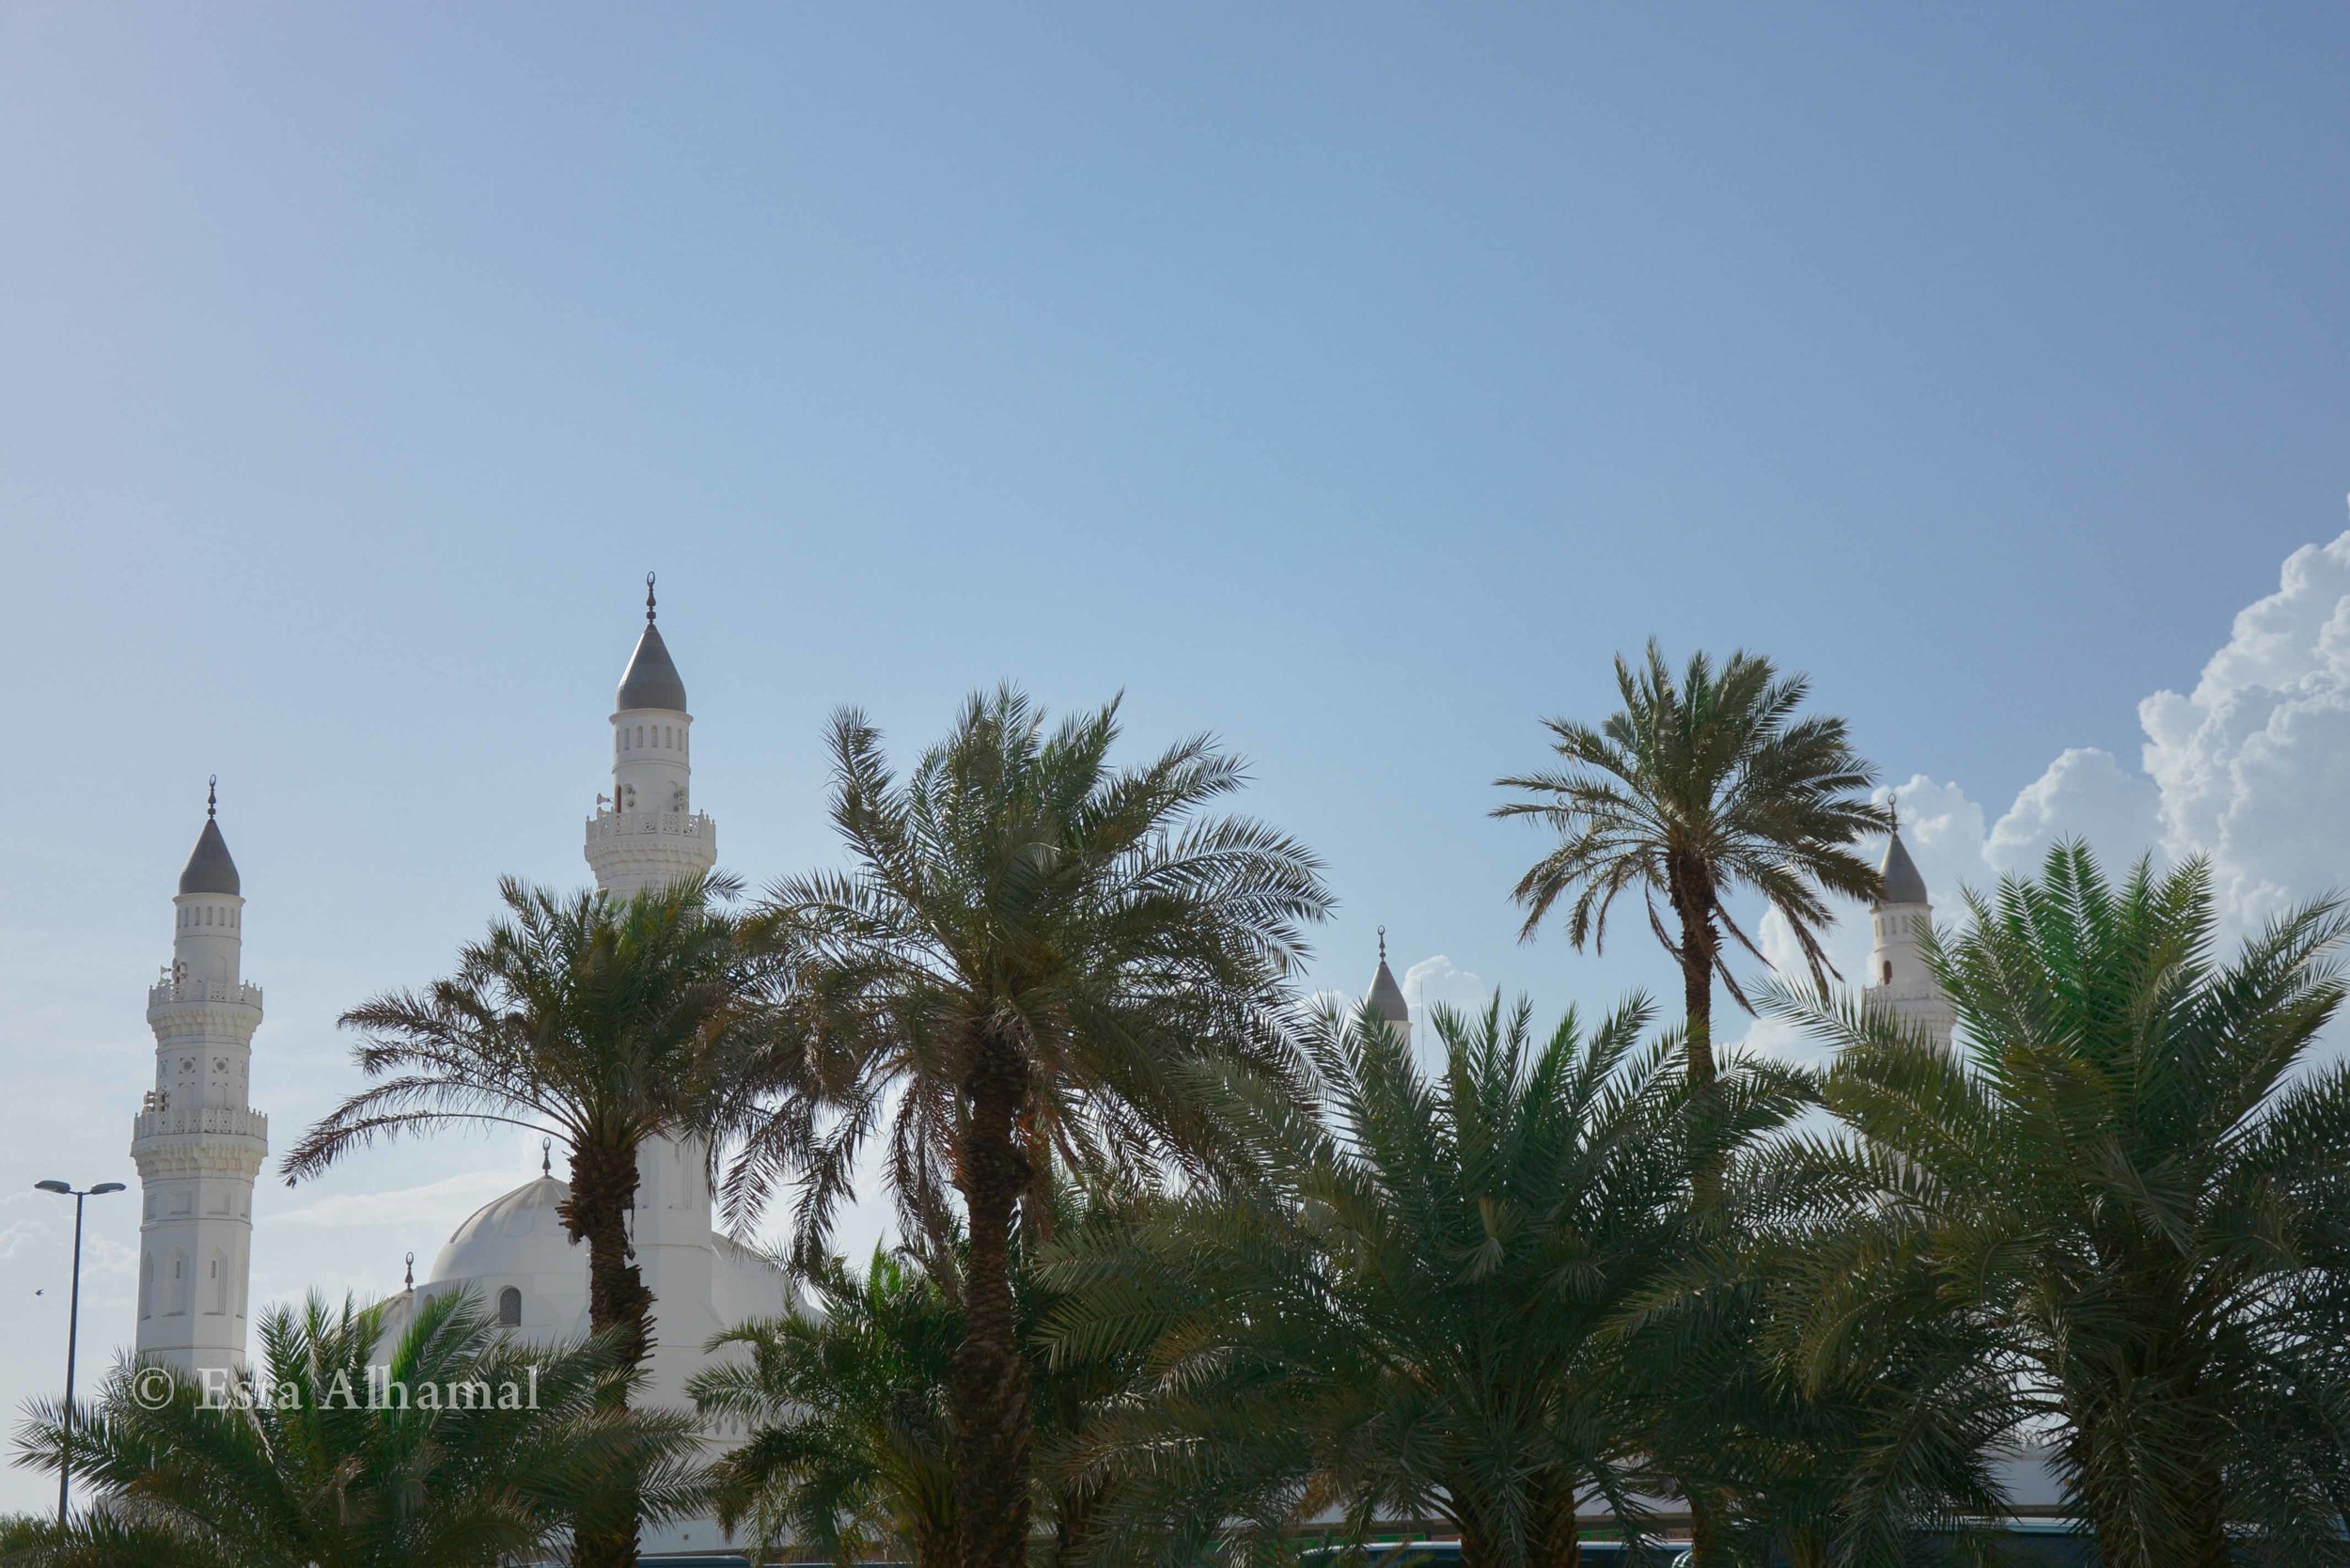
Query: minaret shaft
x,y
650,835
196,1141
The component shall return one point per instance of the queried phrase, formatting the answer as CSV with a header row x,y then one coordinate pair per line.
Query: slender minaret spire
x,y
197,1142
1386,1000
648,837
1899,979
652,835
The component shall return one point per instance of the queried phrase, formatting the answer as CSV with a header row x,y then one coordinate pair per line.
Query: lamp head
x,y
66,1188
105,1186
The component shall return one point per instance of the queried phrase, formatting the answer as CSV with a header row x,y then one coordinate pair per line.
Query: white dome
x,y
518,1242
519,1232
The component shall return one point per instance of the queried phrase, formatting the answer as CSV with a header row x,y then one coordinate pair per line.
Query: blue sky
x,y
1350,381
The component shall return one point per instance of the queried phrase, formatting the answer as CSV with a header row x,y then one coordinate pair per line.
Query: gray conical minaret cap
x,y
210,869
653,680
1387,997
1903,885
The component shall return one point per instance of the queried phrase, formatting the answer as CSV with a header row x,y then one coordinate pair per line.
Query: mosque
x,y
199,1145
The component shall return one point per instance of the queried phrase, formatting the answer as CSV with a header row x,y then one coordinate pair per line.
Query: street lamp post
x,y
73,1330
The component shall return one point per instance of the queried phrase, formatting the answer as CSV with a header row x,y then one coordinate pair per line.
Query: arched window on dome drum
x,y
510,1307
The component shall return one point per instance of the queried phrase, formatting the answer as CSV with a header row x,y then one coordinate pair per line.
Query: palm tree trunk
x,y
1698,941
1079,1501
2117,1519
1705,1544
1552,1539
1806,1548
604,1188
2207,1513
988,1385
1561,1546
934,1548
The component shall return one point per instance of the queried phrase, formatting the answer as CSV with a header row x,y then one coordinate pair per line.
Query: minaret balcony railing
x,y
165,993
610,826
199,1121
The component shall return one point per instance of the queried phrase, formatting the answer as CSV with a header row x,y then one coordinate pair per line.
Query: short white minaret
x,y
1386,1000
198,1144
1898,977
649,835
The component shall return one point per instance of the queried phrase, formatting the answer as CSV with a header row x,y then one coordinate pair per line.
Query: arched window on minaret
x,y
147,1287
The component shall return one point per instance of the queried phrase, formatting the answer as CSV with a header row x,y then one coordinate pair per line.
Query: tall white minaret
x,y
198,1144
1898,977
650,835
1386,1000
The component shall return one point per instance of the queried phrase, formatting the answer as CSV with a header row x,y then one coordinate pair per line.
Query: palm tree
x,y
314,1462
1695,788
1794,1453
586,1019
1027,943
849,1446
2119,1215
849,1443
1420,1303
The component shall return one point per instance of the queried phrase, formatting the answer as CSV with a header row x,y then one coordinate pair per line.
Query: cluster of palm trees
x,y
1190,1270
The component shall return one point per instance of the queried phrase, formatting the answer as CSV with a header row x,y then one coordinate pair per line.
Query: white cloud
x,y
1430,980
18,1236
442,1204
1439,979
1776,939
2254,765
2085,793
101,1257
2250,769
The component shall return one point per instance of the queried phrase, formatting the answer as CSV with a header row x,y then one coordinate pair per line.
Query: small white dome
x,y
518,1233
518,1243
